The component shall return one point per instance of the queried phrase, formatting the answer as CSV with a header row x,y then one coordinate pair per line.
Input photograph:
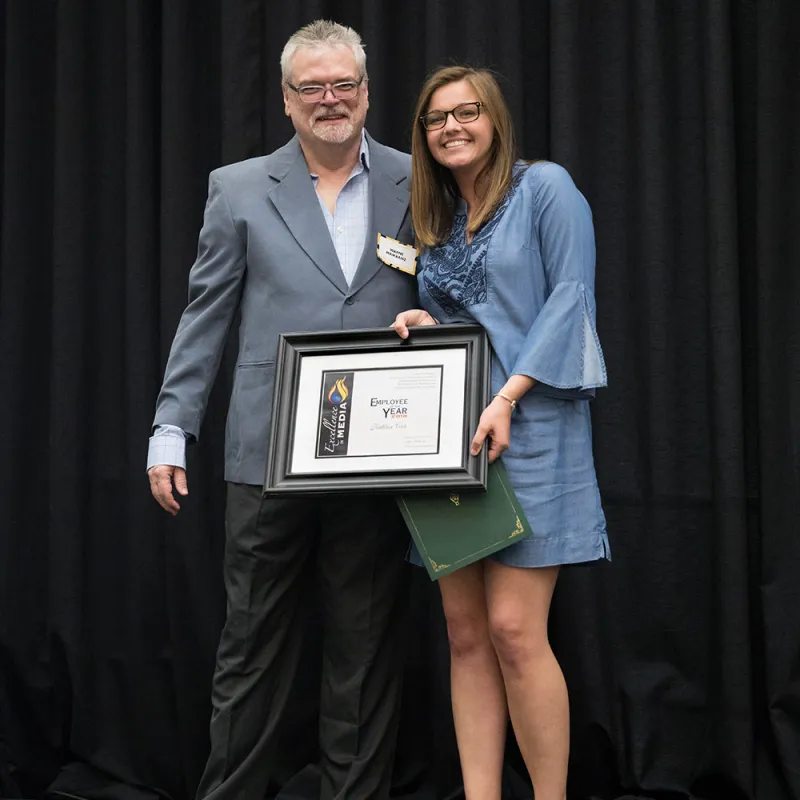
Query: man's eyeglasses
x,y
313,93
464,112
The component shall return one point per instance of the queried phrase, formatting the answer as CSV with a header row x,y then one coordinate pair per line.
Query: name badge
x,y
396,254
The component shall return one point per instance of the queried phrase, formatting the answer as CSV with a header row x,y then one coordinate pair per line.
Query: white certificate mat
x,y
368,412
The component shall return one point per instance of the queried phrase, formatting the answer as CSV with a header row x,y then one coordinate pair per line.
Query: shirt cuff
x,y
167,446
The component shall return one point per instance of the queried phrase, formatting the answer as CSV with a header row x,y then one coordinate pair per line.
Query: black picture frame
x,y
294,347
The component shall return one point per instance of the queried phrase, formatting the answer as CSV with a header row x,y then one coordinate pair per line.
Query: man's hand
x,y
161,479
415,316
495,423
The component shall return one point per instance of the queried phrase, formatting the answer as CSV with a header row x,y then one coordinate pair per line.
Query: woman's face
x,y
459,146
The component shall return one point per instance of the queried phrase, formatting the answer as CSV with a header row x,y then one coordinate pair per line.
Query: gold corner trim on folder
x,y
518,530
438,567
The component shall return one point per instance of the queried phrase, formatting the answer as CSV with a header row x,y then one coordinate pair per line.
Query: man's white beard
x,y
334,134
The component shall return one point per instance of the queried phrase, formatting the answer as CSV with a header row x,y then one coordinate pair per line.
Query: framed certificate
x,y
366,411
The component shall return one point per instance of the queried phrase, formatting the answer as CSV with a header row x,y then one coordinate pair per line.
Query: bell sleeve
x,y
562,348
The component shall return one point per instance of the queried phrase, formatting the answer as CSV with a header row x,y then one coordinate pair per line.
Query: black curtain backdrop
x,y
679,120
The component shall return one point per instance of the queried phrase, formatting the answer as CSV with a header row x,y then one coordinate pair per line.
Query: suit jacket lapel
x,y
388,206
296,201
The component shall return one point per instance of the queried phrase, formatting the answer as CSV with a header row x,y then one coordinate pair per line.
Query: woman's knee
x,y
516,640
464,603
467,633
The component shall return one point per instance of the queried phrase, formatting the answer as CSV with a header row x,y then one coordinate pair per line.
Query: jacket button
x,y
349,300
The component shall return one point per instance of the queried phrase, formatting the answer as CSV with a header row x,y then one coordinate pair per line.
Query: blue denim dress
x,y
528,278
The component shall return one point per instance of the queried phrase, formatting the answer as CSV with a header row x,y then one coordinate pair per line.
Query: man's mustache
x,y
331,112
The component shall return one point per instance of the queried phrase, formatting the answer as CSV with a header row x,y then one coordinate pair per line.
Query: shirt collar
x,y
363,156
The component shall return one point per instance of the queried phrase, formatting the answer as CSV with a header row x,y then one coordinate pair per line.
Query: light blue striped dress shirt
x,y
348,227
349,224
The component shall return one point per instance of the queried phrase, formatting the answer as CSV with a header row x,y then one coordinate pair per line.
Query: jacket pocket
x,y
254,364
250,410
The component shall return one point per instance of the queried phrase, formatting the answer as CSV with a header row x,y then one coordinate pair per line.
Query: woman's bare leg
x,y
479,701
519,604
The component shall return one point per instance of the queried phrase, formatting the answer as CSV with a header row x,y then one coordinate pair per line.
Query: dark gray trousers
x,y
361,578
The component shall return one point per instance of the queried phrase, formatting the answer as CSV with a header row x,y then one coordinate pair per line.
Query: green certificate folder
x,y
453,530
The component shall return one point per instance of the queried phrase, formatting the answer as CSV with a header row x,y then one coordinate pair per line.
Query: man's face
x,y
330,120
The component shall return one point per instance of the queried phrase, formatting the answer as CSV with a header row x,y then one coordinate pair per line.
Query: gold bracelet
x,y
508,399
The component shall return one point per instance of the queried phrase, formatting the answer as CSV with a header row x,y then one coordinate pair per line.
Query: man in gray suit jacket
x,y
289,240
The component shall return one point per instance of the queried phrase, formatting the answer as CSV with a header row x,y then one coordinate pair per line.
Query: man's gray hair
x,y
322,33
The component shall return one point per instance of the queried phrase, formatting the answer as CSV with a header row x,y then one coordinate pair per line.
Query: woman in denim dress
x,y
510,245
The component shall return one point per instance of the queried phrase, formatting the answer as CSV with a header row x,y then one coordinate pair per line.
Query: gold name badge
x,y
397,255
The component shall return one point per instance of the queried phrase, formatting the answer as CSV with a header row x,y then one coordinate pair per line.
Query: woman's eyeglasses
x,y
462,113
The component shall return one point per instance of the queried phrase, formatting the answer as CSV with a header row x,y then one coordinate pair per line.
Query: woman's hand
x,y
495,423
415,316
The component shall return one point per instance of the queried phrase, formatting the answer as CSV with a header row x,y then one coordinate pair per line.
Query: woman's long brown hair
x,y
433,187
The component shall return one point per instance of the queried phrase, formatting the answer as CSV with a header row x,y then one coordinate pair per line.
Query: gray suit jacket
x,y
265,250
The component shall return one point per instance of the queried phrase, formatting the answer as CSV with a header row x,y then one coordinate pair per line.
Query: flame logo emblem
x,y
338,393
